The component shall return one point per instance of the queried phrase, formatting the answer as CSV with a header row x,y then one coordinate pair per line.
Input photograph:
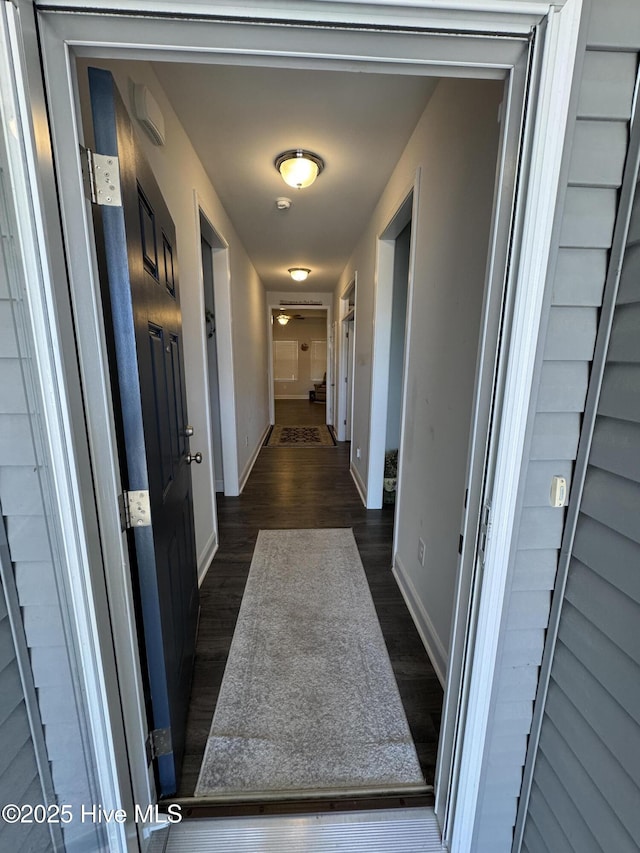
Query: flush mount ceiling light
x,y
299,168
283,319
299,273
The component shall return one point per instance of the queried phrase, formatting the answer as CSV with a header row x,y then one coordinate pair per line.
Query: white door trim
x,y
272,306
344,405
60,31
405,211
226,374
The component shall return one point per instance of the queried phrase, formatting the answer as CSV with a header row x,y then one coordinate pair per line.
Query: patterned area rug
x,y
308,700
300,436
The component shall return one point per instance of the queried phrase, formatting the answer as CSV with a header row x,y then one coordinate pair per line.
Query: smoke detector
x,y
283,203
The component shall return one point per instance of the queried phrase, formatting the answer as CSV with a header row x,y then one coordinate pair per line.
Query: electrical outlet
x,y
357,453
246,441
421,551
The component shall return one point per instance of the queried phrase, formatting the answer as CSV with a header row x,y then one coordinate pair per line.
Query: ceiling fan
x,y
283,318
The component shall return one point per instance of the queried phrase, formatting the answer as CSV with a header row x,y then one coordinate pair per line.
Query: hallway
x,y
305,488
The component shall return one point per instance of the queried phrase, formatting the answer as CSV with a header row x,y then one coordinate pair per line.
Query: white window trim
x,y
505,16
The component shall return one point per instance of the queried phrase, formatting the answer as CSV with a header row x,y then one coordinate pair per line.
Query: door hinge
x,y
101,174
485,532
158,743
135,509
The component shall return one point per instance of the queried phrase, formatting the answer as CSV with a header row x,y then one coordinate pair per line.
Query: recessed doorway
x,y
74,164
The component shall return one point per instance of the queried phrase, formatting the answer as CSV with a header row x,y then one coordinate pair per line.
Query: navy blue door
x,y
136,247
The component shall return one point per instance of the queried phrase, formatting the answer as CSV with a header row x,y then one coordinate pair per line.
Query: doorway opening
x,y
347,350
73,156
209,243
300,360
395,273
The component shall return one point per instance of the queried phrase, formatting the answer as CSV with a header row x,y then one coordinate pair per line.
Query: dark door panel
x,y
139,270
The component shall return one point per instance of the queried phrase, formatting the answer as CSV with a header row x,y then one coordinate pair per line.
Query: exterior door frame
x,y
93,539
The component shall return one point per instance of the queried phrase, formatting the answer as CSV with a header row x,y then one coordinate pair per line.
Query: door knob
x,y
194,457
188,431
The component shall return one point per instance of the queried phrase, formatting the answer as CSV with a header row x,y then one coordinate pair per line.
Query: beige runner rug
x,y
308,699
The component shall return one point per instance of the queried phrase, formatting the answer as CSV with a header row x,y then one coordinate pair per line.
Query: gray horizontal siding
x,y
571,334
580,275
594,547
586,785
563,386
614,501
619,398
589,217
598,763
30,556
598,154
604,715
16,441
614,24
606,91
625,334
614,443
555,435
20,780
585,224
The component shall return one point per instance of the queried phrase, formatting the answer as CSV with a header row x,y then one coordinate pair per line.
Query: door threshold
x,y
408,830
320,803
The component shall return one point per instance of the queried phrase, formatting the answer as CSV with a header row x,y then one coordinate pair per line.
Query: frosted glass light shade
x,y
299,273
299,168
283,319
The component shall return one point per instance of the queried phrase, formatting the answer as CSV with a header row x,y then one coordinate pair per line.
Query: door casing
x,y
88,34
345,360
327,309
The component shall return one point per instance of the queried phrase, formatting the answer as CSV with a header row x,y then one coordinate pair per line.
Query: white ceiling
x,y
239,119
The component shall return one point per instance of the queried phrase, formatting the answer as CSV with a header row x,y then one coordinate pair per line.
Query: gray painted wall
x,y
595,156
455,147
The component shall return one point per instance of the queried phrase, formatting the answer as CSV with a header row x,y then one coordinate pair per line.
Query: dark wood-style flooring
x,y
305,488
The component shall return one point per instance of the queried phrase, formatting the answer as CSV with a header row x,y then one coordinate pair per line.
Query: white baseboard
x,y
360,486
249,466
292,396
206,555
434,648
